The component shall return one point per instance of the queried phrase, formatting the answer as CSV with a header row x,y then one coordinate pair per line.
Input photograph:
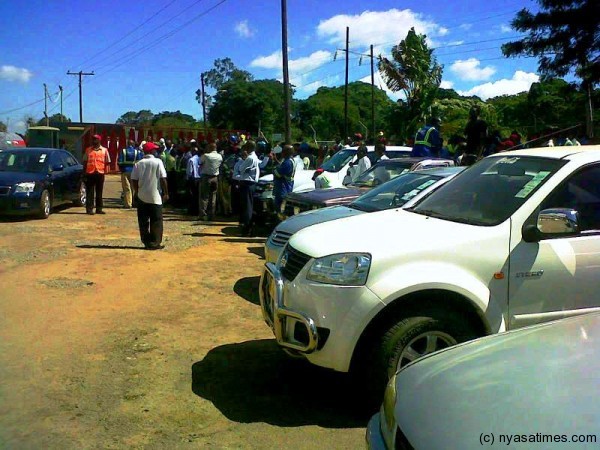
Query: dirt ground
x,y
106,345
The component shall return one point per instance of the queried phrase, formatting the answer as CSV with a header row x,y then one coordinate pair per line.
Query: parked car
x,y
470,396
402,191
379,173
34,180
512,241
10,140
337,167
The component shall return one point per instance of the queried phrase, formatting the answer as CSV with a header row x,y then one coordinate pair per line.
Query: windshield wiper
x,y
428,213
360,208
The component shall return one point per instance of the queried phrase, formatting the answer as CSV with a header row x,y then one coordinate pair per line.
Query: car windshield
x,y
489,192
382,173
396,192
23,161
339,160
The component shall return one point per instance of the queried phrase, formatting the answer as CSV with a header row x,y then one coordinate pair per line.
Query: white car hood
x,y
310,218
382,233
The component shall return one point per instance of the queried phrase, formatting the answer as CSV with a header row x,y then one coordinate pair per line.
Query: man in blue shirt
x,y
428,141
127,159
193,174
283,177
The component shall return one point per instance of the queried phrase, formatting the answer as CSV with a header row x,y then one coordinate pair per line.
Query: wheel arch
x,y
415,303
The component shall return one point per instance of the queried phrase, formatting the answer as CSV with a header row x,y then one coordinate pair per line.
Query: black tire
x,y
45,205
409,338
81,196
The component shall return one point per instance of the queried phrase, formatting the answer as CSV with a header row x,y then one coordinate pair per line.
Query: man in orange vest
x,y
96,161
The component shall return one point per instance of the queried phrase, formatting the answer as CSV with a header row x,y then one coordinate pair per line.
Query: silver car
x,y
401,192
531,388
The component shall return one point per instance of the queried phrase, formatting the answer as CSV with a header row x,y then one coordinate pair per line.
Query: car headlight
x,y
389,404
347,269
25,187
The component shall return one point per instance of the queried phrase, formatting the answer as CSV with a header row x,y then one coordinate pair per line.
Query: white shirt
x,y
249,170
299,162
148,173
210,163
236,169
361,167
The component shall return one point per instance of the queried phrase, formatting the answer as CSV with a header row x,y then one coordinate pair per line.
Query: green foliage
x,y
244,105
3,127
324,111
224,71
55,118
413,70
140,118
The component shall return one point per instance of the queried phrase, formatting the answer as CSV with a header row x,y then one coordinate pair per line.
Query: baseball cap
x,y
161,140
192,141
97,136
277,149
149,147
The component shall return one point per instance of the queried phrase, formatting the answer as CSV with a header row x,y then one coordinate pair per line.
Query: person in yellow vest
x,y
96,161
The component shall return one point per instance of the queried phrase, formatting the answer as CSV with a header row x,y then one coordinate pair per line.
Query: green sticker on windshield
x,y
410,194
532,184
426,185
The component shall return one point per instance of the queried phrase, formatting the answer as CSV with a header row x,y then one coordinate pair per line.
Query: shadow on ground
x,y
258,251
111,247
247,288
255,381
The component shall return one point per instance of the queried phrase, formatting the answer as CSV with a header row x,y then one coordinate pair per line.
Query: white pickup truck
x,y
512,241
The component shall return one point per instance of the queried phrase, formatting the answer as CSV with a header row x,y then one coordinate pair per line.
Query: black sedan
x,y
34,180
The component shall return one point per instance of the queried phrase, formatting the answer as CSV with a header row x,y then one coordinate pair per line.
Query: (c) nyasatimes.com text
x,y
489,439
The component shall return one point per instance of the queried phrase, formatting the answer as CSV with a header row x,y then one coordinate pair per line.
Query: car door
x,y
558,277
58,178
72,174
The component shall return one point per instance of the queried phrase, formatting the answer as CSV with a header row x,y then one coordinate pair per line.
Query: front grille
x,y
4,190
294,262
280,238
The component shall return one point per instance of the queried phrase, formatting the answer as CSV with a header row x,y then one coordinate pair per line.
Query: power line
x,y
166,22
122,38
165,36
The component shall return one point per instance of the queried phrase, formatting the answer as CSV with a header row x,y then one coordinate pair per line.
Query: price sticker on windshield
x,y
42,157
425,185
532,184
410,194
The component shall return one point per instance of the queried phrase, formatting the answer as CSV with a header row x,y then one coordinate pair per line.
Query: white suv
x,y
514,240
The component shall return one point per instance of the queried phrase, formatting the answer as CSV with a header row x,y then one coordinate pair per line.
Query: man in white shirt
x,y
361,165
211,163
146,177
248,178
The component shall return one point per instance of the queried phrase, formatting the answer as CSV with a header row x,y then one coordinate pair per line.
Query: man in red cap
x,y
147,177
96,161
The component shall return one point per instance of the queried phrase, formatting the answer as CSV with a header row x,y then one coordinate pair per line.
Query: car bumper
x,y
318,321
272,251
19,204
373,435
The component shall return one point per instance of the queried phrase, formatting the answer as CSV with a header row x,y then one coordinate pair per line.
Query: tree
x,y
413,70
224,71
55,118
565,37
3,127
140,118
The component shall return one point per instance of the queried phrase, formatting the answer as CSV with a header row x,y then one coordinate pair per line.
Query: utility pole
x,y
373,95
203,100
46,103
60,88
346,84
81,75
286,74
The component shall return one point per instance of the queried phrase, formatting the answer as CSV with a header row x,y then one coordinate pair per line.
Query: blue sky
x,y
149,55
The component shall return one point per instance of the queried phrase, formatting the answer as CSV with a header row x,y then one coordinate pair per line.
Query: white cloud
x,y
296,66
371,27
470,70
520,82
12,73
381,85
272,61
505,29
243,29
466,26
446,84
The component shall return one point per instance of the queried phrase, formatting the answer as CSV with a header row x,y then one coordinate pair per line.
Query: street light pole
x,y
286,74
203,101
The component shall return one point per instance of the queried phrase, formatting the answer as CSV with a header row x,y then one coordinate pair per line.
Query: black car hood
x,y
11,178
326,196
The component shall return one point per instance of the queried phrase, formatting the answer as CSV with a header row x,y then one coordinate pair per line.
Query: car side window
x,y
55,160
68,159
580,192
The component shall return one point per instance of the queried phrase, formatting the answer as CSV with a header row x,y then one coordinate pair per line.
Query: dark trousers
x,y
208,195
150,221
246,202
194,189
94,185
172,183
235,197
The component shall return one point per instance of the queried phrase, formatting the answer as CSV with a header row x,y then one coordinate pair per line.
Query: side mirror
x,y
58,168
552,223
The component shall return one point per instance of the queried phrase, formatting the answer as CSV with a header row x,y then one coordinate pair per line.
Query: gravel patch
x,y
67,283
